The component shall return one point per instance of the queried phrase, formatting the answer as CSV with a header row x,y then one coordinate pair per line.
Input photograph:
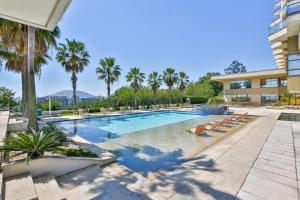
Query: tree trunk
x,y
181,96
170,90
155,97
108,89
74,81
135,100
31,72
25,86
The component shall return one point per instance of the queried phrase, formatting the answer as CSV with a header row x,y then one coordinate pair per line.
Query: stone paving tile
x,y
274,174
248,196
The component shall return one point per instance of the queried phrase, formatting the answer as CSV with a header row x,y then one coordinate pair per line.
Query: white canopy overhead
x,y
43,14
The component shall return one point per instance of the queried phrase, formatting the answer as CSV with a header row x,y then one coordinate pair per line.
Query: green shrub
x,y
33,144
75,153
55,105
196,100
94,110
216,100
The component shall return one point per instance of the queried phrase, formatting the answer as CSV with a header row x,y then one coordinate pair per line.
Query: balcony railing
x,y
293,8
278,27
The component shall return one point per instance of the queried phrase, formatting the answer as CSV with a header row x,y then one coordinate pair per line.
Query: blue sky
x,y
189,35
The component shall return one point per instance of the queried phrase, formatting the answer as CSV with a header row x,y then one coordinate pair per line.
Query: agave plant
x,y
33,144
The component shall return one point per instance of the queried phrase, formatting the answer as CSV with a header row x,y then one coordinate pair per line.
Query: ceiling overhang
x,y
44,14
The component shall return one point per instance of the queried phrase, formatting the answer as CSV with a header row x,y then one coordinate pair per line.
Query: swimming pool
x,y
149,142
97,130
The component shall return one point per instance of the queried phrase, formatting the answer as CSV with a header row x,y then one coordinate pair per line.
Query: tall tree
x,y
170,78
14,53
154,81
74,57
136,78
235,68
217,86
183,81
109,72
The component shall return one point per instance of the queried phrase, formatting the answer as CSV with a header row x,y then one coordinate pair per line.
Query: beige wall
x,y
294,84
293,45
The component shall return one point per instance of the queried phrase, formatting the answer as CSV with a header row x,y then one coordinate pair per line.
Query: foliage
x,y
13,45
55,105
124,96
196,100
109,72
170,77
53,128
235,68
75,153
183,81
217,86
287,97
33,144
136,78
216,100
74,58
7,98
165,94
200,90
154,82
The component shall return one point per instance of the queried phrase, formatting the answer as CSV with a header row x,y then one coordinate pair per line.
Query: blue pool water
x,y
148,143
97,130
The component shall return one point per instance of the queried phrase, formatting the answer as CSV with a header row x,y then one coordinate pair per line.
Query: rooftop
x,y
261,73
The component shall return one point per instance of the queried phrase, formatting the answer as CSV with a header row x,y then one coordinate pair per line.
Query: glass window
x,y
269,83
283,82
269,98
240,98
294,65
237,84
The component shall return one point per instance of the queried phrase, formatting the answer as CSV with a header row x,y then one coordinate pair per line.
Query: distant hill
x,y
69,93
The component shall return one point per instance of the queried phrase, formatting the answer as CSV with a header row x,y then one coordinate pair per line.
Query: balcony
x,y
293,8
277,27
256,91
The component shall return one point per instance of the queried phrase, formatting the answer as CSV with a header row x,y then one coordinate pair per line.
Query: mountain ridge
x,y
69,93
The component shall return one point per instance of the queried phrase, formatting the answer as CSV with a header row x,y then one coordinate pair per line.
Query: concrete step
x,y
47,188
19,187
94,183
82,184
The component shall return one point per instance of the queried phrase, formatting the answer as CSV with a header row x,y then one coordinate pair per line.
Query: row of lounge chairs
x,y
216,125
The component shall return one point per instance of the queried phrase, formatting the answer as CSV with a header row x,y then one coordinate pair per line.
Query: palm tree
x,y
14,52
109,72
154,81
74,58
33,144
183,81
136,78
170,78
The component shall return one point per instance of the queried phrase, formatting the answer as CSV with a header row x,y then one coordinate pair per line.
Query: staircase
x,y
26,187
92,182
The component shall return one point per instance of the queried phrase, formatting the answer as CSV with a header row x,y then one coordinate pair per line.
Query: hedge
x,y
196,100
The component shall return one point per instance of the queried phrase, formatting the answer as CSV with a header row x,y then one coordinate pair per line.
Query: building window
x,y
269,83
269,98
294,65
283,82
238,84
240,98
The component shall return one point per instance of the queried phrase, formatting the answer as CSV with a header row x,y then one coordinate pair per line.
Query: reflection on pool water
x,y
149,142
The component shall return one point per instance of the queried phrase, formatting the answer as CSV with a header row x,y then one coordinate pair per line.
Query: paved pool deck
x,y
259,161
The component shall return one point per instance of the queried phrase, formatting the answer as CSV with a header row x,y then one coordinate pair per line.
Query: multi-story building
x,y
262,87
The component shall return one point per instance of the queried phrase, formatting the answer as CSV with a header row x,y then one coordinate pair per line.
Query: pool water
x,y
147,143
97,130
